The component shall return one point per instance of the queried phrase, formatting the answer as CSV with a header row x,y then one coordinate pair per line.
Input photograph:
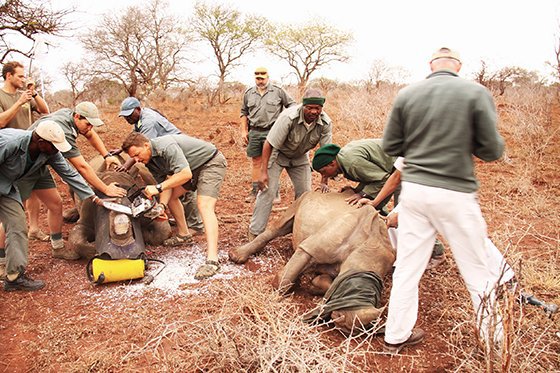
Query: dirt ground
x,y
61,327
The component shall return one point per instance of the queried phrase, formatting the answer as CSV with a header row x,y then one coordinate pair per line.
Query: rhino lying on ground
x,y
96,227
347,247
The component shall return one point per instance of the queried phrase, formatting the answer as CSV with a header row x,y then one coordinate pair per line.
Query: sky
x,y
400,32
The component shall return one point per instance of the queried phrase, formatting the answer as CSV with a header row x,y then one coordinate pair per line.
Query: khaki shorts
x,y
256,142
208,178
41,179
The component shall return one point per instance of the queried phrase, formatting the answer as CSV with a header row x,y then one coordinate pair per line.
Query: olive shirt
x,y
65,119
16,164
263,111
292,139
22,120
173,153
152,124
438,124
365,161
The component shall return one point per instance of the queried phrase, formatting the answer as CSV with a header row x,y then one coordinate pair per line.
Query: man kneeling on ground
x,y
180,163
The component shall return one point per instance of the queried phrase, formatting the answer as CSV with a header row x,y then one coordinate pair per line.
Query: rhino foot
x,y
355,321
237,257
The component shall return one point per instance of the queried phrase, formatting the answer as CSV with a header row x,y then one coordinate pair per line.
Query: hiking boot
x,y
60,252
416,337
22,282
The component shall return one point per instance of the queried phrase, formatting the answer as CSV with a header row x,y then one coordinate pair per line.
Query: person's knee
x,y
53,201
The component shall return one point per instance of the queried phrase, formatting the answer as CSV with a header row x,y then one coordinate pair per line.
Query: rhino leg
x,y
155,232
81,239
286,278
353,321
281,227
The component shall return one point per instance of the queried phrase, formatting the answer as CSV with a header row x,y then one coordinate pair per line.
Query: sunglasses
x,y
260,73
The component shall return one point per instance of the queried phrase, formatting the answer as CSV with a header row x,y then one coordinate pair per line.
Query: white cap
x,y
89,111
53,133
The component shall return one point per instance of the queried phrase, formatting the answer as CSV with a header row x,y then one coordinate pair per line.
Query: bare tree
x,y
309,47
21,21
381,71
230,34
142,49
498,81
77,75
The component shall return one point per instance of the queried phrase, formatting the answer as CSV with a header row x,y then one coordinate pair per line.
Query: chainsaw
x,y
140,205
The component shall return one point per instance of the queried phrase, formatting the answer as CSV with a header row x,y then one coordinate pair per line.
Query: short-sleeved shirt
x,y
292,139
152,124
15,165
64,118
263,111
365,161
22,120
173,153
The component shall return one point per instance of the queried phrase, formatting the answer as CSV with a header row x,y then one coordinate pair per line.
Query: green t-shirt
x,y
23,118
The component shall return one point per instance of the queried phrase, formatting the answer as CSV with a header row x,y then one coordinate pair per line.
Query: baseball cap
x,y
128,105
89,111
50,131
445,52
261,72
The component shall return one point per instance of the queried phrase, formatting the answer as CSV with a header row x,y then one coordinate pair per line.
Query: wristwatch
x,y
34,95
159,188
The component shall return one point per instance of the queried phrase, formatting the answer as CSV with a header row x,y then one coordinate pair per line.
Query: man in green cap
x,y
363,161
297,130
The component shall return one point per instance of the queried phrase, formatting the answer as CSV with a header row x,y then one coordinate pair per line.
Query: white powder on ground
x,y
177,277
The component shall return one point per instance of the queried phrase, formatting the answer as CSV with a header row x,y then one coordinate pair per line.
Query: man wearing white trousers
x,y
438,125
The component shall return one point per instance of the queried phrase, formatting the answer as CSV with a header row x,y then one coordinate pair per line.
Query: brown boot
x,y
416,337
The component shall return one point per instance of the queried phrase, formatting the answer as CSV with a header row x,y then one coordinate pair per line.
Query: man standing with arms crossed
x,y
262,104
438,125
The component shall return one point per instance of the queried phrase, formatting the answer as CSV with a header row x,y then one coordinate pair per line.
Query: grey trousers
x,y
13,217
301,180
191,210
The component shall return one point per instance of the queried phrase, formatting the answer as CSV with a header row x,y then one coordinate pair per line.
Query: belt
x,y
260,129
212,157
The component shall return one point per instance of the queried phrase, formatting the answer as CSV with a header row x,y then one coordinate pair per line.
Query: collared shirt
x,y
292,139
173,153
152,124
263,111
14,147
365,161
64,118
23,118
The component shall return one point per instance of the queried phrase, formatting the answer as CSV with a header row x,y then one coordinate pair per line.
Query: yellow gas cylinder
x,y
117,270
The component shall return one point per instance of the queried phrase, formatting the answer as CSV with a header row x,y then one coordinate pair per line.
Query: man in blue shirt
x,y
152,124
23,153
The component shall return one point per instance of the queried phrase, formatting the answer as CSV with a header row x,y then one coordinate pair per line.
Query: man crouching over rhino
x,y
347,247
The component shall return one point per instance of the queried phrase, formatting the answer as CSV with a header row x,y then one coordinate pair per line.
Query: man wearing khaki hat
x,y
438,125
23,154
262,104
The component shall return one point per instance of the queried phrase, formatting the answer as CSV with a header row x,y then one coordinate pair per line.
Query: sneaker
x,y
38,235
251,197
435,261
416,337
23,283
251,236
